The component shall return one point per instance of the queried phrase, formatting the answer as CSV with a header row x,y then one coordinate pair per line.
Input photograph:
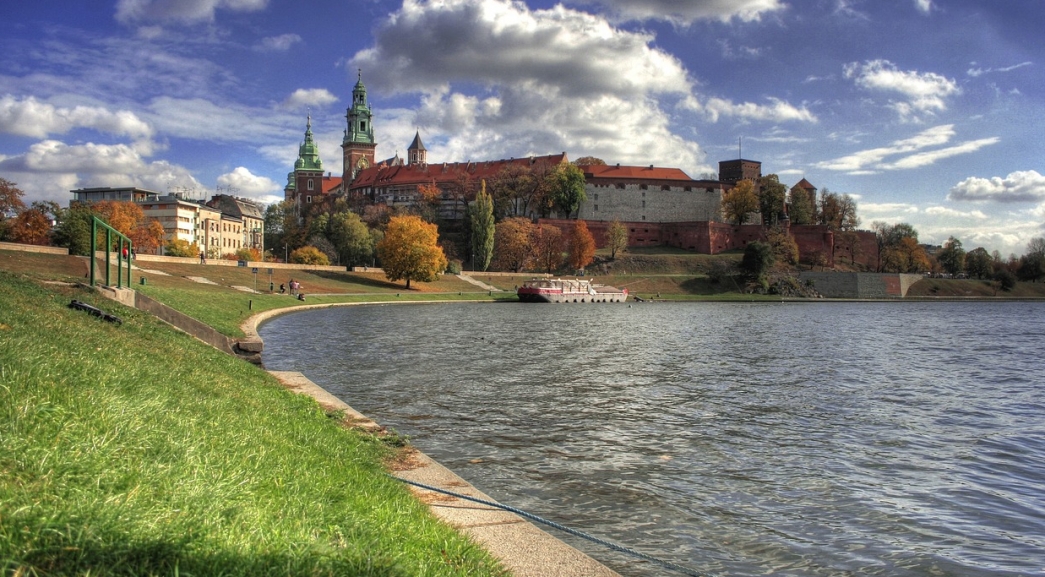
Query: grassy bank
x,y
135,449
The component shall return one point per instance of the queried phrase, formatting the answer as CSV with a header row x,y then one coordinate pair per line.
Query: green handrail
x,y
129,247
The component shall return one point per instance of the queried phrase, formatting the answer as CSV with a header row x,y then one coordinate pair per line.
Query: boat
x,y
557,290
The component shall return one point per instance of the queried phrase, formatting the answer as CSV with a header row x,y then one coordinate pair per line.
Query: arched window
x,y
310,185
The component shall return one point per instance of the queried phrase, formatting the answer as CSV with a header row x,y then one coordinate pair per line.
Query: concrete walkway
x,y
520,546
479,283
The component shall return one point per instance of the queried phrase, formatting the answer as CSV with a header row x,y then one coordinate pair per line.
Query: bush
x,y
309,255
453,267
758,257
1005,279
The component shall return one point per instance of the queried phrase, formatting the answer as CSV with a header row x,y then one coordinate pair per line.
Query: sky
x,y
929,112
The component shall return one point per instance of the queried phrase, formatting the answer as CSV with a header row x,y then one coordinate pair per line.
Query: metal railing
x,y
125,247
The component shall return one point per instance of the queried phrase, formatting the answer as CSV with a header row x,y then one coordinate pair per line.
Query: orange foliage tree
x,y
410,250
147,236
548,247
512,248
582,246
31,226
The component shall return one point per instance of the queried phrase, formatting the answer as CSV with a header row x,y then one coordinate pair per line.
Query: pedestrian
x,y
203,257
282,289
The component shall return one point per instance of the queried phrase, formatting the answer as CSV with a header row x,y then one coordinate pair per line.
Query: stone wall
x,y
642,203
33,248
863,285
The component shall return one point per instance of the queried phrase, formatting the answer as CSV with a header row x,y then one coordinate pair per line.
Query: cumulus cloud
x,y
250,185
280,43
873,160
31,117
180,11
1020,186
924,92
924,6
309,97
952,213
688,12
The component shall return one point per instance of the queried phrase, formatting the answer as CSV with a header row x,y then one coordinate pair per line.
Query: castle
x,y
659,206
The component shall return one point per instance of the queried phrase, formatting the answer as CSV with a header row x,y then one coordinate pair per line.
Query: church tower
x,y
307,179
417,153
358,144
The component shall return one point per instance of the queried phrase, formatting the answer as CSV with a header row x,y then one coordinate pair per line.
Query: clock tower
x,y
358,144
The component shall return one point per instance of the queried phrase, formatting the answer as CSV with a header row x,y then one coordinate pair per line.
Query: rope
x,y
574,532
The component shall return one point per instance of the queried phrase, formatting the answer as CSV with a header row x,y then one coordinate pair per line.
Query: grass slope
x,y
134,449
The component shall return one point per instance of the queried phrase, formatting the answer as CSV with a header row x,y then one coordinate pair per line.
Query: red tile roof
x,y
412,174
805,184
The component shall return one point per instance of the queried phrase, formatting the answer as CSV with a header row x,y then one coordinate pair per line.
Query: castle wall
x,y
636,202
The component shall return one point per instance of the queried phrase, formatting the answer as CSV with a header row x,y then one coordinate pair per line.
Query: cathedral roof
x,y
414,174
417,144
596,172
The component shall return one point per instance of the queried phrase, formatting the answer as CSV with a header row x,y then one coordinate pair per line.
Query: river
x,y
803,439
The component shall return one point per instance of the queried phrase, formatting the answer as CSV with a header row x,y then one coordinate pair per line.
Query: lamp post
x,y
285,257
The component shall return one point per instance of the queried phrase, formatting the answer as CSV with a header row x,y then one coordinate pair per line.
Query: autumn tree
x,y
309,255
429,199
512,244
147,236
31,226
952,256
838,211
589,161
566,186
581,246
350,238
10,198
483,230
739,201
617,238
783,245
124,216
771,197
898,248
410,250
181,247
802,210
514,190
548,247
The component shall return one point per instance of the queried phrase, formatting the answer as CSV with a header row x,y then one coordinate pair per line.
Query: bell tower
x,y
358,144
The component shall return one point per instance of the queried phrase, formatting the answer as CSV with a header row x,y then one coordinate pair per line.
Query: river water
x,y
901,438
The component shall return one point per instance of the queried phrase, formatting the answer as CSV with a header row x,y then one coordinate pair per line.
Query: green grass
x,y
134,449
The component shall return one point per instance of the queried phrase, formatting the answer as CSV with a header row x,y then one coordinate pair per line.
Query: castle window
x,y
689,189
308,199
596,208
620,185
665,187
310,185
362,126
643,186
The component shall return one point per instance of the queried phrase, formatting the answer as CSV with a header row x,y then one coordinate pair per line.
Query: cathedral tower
x,y
358,144
417,153
307,178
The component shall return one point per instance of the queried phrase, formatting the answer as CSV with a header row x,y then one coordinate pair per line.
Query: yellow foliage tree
x,y
410,250
739,201
582,246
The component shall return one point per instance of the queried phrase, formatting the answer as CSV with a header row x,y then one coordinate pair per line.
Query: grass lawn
x,y
134,449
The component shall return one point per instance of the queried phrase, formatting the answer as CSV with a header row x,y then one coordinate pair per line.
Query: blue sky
x,y
930,112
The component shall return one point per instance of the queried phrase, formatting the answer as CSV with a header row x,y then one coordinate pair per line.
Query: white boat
x,y
557,290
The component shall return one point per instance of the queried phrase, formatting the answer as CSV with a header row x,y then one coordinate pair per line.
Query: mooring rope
x,y
574,532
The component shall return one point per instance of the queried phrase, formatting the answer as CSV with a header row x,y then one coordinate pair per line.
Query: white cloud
x,y
776,111
887,208
180,11
924,6
925,92
309,97
30,117
687,12
246,184
280,43
943,211
974,72
1019,186
872,160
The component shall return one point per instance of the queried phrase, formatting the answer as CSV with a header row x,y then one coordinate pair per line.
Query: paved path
x,y
478,283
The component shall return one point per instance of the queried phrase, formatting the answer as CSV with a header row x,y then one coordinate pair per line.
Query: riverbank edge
x,y
518,544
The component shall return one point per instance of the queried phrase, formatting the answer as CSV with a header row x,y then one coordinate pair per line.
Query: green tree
x,y
739,201
783,245
838,211
351,238
567,189
1031,266
181,247
771,197
410,250
895,254
617,238
589,161
483,229
309,255
952,256
757,260
73,230
801,207
979,263
512,248
581,246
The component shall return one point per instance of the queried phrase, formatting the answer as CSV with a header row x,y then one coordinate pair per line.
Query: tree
x,y
148,236
771,196
181,247
566,186
581,246
952,256
548,247
617,238
515,191
838,212
801,207
124,216
979,264
783,245
73,230
351,238
410,250
483,230
10,198
1031,266
430,198
905,256
31,226
758,258
309,255
739,201
512,245
589,161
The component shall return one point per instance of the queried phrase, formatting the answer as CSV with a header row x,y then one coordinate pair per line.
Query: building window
x,y
643,186
310,184
665,187
644,204
362,126
596,208
308,199
620,186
